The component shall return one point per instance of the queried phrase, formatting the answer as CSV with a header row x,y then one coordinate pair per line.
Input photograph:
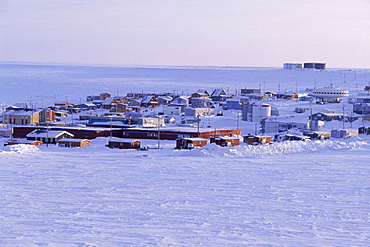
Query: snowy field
x,y
313,193
287,194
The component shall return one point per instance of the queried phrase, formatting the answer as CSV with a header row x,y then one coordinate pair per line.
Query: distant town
x,y
129,119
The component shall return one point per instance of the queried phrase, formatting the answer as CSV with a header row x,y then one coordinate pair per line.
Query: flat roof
x,y
195,139
68,127
72,140
177,129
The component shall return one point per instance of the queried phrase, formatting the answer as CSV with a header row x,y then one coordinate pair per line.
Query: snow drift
x,y
278,148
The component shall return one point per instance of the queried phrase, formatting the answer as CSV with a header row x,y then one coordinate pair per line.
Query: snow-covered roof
x,y
20,113
258,136
202,91
169,98
88,104
331,114
48,133
202,94
21,105
108,100
218,92
113,123
228,137
147,99
72,140
180,100
177,129
194,139
126,140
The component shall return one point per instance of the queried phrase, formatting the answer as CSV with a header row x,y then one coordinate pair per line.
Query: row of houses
x,y
80,137
162,133
195,142
58,137
172,105
199,99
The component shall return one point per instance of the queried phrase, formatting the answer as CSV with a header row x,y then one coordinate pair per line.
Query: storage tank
x,y
260,111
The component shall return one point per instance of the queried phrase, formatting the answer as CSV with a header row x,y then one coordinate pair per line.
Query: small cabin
x,y
290,137
225,141
149,101
344,133
317,135
70,142
257,139
190,143
364,130
330,116
124,144
300,109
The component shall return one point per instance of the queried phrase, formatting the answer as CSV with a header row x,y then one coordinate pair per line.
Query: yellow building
x,y
29,116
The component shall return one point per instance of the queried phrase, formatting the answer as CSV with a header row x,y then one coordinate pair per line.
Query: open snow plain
x,y
287,194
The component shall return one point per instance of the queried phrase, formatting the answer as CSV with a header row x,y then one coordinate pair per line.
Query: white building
x,y
292,66
194,112
343,133
172,110
330,94
48,136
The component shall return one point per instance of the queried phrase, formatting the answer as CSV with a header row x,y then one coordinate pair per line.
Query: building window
x,y
184,136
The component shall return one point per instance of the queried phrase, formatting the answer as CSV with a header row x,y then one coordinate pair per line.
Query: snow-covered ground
x,y
286,194
314,193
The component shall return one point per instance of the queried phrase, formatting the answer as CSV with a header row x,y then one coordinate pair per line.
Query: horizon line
x,y
155,66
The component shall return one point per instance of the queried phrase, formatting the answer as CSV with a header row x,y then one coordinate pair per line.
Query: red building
x,y
124,144
79,133
190,143
163,133
173,133
225,141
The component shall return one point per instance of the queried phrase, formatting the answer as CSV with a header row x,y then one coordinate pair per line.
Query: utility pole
x,y
363,110
237,120
11,127
310,115
159,133
110,130
255,130
47,135
343,115
209,118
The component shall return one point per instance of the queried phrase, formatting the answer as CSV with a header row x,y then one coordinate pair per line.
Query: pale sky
x,y
259,33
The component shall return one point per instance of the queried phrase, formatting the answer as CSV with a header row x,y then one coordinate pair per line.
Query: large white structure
x,y
255,112
172,110
330,94
194,112
292,66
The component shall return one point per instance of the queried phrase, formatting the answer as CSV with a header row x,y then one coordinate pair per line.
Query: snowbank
x,y
19,149
279,148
